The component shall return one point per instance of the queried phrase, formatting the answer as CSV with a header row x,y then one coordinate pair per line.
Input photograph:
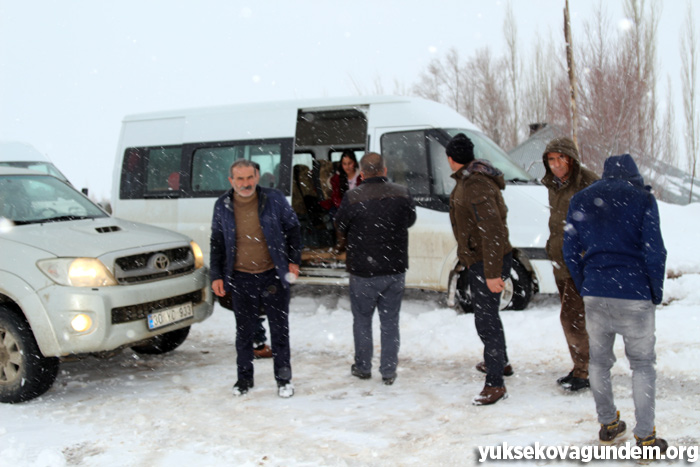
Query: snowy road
x,y
177,409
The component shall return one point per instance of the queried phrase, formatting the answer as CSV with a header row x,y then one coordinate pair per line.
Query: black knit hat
x,y
460,149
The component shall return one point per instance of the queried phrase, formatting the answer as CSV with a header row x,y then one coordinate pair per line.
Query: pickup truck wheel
x,y
162,343
24,372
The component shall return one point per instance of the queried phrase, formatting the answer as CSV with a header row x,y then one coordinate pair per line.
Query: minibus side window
x,y
132,176
210,165
150,170
406,160
163,169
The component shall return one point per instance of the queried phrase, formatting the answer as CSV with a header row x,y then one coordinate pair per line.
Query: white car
x,y
26,156
75,281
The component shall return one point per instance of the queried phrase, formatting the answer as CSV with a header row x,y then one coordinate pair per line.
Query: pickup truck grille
x,y
126,314
153,266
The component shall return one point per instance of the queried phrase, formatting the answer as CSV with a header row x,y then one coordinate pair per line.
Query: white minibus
x,y
171,166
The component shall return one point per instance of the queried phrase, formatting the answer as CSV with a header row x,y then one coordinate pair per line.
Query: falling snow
x,y
177,409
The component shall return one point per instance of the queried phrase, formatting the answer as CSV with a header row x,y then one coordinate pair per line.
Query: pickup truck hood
x,y
92,238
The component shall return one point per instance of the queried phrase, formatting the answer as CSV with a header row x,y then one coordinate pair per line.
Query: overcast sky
x,y
71,69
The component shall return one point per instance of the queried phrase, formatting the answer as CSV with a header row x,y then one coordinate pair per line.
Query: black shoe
x,y
356,372
653,442
609,431
565,379
242,386
389,381
576,384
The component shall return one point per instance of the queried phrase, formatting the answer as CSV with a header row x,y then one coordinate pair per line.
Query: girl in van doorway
x,y
347,178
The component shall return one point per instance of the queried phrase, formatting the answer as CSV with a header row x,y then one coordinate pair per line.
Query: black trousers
x,y
488,320
250,293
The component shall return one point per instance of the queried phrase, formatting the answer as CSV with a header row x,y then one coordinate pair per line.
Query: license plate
x,y
170,315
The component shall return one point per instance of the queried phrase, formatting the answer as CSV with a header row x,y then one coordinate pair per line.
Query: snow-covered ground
x,y
177,409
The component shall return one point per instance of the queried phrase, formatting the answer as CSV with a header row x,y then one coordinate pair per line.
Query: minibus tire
x,y
463,294
521,284
162,343
24,372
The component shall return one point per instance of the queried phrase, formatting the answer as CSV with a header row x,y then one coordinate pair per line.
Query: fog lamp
x,y
81,323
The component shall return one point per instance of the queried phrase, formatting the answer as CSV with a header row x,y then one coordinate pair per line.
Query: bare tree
x,y
513,67
475,89
616,86
571,69
641,43
668,131
689,79
540,81
443,81
616,97
492,107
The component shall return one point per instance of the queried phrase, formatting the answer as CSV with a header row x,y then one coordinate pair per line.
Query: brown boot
x,y
507,370
490,395
263,352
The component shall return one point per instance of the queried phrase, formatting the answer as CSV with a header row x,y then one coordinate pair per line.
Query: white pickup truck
x,y
75,281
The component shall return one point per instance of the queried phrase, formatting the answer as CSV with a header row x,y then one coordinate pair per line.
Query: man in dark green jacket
x,y
564,177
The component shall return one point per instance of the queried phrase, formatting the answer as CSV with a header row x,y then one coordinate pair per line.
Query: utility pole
x,y
572,76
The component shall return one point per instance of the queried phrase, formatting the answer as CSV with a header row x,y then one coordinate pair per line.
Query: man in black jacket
x,y
374,218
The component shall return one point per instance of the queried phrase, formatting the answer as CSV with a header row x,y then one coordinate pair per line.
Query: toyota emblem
x,y
161,261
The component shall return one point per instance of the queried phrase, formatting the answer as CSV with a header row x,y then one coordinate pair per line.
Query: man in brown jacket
x,y
564,177
478,216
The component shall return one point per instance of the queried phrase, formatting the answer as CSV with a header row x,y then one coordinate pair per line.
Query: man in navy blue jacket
x,y
616,255
255,252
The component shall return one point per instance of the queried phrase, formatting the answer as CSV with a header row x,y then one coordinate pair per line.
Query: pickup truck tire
x,y
162,343
24,372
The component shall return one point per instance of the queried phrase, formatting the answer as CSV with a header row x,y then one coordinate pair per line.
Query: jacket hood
x,y
623,167
483,167
563,145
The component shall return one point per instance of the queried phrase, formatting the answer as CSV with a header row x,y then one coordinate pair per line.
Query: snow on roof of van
x,y
19,171
309,104
15,151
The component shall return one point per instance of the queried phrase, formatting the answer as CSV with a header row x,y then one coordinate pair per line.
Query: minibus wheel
x,y
162,343
516,295
24,372
522,286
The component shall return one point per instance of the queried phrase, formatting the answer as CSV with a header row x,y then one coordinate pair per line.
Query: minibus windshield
x,y
484,148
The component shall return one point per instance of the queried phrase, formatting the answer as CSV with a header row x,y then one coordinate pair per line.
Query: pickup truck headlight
x,y
77,272
198,256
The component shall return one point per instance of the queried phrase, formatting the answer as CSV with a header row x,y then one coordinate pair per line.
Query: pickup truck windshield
x,y
29,199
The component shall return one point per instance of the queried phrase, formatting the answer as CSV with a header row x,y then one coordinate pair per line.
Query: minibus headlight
x,y
198,256
77,272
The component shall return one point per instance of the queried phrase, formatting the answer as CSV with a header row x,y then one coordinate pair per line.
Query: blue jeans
x,y
383,293
635,321
249,293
